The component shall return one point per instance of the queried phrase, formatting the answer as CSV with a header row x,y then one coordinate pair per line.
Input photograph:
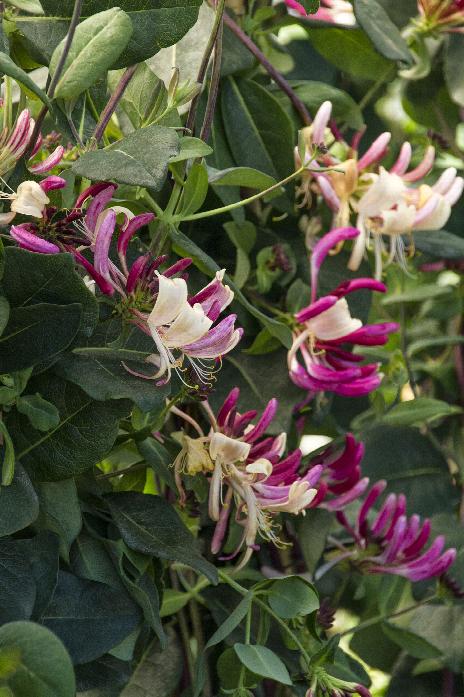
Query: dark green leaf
x,y
17,586
39,664
409,641
195,189
32,278
7,455
145,97
96,45
36,334
84,435
293,597
240,176
158,673
191,148
150,525
60,512
385,36
411,465
440,243
90,618
313,94
454,58
263,661
19,505
4,313
140,159
442,626
418,411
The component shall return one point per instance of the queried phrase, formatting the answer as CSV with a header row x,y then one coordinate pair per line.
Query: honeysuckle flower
x,y
324,683
332,11
441,16
14,143
384,204
389,542
251,473
317,360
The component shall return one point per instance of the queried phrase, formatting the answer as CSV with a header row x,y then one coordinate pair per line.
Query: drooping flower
x,y
318,360
251,473
14,143
326,684
384,205
332,11
389,542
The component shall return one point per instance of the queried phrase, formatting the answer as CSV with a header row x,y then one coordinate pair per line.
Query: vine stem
x,y
113,102
214,85
76,15
380,618
237,204
216,28
243,591
267,65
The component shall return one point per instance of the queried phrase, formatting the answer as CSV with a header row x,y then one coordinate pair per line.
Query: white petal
x,y
261,466
387,191
30,199
398,220
437,218
334,322
228,450
172,297
189,326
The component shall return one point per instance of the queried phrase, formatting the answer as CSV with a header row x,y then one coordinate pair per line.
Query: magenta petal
x,y
49,162
294,5
102,243
359,284
131,228
229,403
264,421
104,285
316,308
27,240
98,204
136,272
323,247
371,498
51,183
91,190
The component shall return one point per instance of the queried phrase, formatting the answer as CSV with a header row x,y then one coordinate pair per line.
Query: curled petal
x,y
49,162
27,240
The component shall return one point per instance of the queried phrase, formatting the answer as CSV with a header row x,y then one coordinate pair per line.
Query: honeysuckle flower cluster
x,y
389,542
441,16
324,684
183,326
384,205
318,359
332,11
250,472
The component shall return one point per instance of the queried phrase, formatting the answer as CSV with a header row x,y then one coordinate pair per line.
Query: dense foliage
x,y
231,348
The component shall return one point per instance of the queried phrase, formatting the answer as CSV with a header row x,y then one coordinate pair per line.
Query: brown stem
x,y
76,15
448,683
276,76
113,102
214,86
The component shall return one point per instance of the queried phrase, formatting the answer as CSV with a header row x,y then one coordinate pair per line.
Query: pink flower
x,y
318,360
333,11
392,543
14,143
441,16
385,205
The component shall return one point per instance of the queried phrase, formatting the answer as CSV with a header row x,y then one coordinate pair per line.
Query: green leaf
x,y
85,434
37,333
7,67
159,459
418,411
186,247
173,601
259,132
8,455
263,661
413,644
32,6
39,664
440,243
158,673
194,190
150,525
32,278
454,58
17,585
90,618
263,343
351,51
240,176
385,35
154,26
140,159
293,597
442,626
145,97
19,505
313,94
97,43
42,414
426,291
191,148
60,512
411,466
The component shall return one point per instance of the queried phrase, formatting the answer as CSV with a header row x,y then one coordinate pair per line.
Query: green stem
x,y
243,591
380,618
238,204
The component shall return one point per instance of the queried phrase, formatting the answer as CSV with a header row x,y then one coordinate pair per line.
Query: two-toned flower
x,y
319,359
